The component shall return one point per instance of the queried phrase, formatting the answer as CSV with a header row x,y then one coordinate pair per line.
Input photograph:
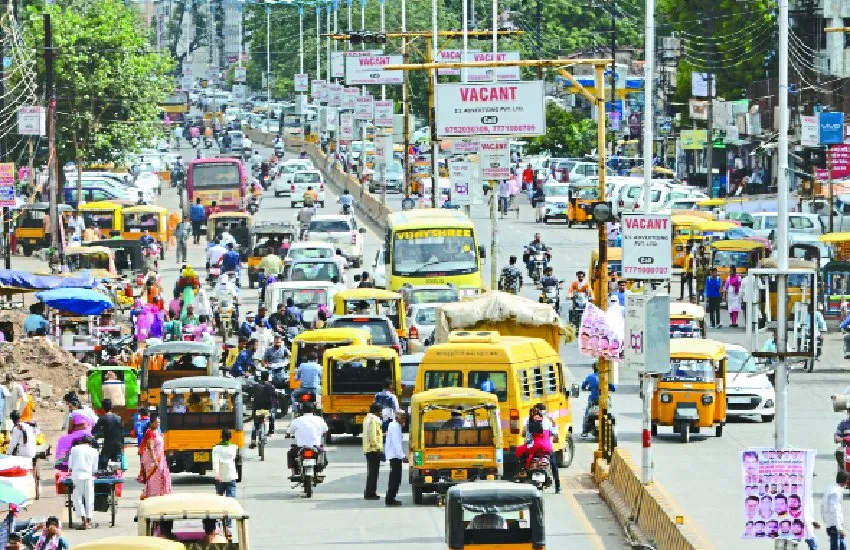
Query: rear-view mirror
x,y
574,391
482,251
357,278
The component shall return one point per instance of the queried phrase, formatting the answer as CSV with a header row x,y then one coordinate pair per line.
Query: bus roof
x,y
215,160
421,218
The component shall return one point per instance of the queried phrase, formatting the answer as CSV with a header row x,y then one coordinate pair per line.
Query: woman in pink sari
x,y
155,474
81,420
732,287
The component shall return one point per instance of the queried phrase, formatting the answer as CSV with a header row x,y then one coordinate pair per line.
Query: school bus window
x,y
526,387
537,381
551,378
442,379
484,380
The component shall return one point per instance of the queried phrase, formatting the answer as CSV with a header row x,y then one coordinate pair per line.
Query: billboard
x,y
349,97
364,108
505,109
647,244
451,56
831,128
346,126
384,113
301,82
495,158
368,69
487,74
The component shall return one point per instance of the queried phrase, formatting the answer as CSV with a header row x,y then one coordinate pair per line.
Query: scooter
x,y
278,151
208,142
540,472
346,210
253,206
196,141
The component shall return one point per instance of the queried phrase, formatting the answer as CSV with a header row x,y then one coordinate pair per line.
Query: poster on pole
x,y
495,156
506,109
349,98
240,92
331,114
239,74
368,69
646,336
699,84
383,148
364,108
334,95
465,147
31,120
460,177
488,74
301,82
384,113
338,64
346,126
831,127
451,56
7,184
647,242
319,89
778,493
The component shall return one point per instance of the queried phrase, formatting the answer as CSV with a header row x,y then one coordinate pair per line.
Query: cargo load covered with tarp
x,y
13,281
505,313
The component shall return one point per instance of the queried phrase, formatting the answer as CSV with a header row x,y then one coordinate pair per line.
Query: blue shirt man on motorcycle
x,y
591,384
548,280
230,261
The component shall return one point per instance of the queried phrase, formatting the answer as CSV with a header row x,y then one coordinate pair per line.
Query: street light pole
x,y
383,30
268,67
318,42
435,145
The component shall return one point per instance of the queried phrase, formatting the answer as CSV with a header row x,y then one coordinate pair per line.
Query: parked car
x,y
340,231
748,388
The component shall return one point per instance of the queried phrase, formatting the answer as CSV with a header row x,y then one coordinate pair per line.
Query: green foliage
x,y
567,134
108,80
199,15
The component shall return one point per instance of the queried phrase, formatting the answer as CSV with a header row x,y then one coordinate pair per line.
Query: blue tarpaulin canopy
x,y
24,281
79,301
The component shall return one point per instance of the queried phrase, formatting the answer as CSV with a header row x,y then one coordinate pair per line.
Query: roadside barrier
x,y
645,512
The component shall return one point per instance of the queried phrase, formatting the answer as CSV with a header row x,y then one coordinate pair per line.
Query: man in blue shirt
x,y
621,293
146,240
713,289
244,363
293,314
35,324
591,384
247,328
197,216
309,373
230,261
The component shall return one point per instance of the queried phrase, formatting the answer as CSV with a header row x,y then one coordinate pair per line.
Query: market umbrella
x,y
11,495
79,301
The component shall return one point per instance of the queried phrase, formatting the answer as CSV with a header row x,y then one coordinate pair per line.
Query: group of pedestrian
x,y
383,447
713,288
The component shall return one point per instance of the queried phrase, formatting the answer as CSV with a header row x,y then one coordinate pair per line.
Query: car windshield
x,y
394,169
741,361
433,296
304,298
432,251
685,328
359,375
556,190
307,177
426,316
310,253
217,175
690,370
329,226
588,193
315,271
381,331
729,258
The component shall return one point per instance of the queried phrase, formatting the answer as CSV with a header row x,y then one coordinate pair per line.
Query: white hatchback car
x,y
283,181
748,389
303,180
341,232
421,321
307,250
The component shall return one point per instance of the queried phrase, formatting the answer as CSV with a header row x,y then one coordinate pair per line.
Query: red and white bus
x,y
222,180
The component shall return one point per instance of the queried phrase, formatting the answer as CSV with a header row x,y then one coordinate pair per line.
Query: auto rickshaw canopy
x,y
716,226
737,244
701,348
131,543
177,506
104,208
178,348
228,219
379,301
450,398
200,384
491,501
99,259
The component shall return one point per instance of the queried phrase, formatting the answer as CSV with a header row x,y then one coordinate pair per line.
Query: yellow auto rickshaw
x,y
192,412
226,221
445,452
131,543
99,259
691,395
738,253
268,238
190,509
373,301
119,384
615,264
319,341
687,320
799,286
29,226
154,219
582,198
684,236
711,231
105,215
170,360
710,205
495,515
351,377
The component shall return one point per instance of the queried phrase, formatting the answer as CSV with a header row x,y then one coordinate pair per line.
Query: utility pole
x,y
613,97
7,253
538,31
405,100
709,154
432,88
268,67
52,161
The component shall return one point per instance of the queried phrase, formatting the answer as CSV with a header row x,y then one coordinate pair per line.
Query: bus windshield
x,y
216,175
428,251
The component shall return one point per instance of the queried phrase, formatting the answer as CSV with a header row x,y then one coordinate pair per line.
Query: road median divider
x,y
645,511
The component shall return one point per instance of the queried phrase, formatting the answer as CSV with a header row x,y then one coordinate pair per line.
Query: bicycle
x,y
263,436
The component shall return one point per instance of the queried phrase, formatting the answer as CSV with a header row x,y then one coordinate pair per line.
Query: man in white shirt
x,y
831,512
394,452
82,462
308,430
22,440
15,401
215,252
224,467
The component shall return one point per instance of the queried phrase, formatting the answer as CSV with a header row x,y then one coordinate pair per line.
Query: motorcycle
x,y
540,472
310,462
115,351
578,307
552,295
253,206
278,151
225,318
196,141
306,397
346,210
208,142
591,423
539,259
213,273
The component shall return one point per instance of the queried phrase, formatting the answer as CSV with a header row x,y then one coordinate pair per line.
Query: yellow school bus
x,y
432,246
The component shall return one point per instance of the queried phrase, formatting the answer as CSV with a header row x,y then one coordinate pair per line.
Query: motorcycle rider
x,y
276,354
347,201
591,384
512,276
305,215
226,292
256,160
536,245
548,280
230,261
244,363
308,430
842,431
580,286
264,399
552,427
278,146
309,373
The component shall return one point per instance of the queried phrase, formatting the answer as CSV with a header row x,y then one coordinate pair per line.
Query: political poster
x,y
601,332
777,493
301,82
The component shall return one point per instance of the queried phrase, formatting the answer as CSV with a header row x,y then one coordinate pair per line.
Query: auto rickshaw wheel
x,y
239,471
685,432
27,250
718,430
564,457
569,223
767,418
417,495
162,252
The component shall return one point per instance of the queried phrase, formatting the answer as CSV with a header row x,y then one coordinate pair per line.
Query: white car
x,y
302,180
283,182
379,269
307,250
149,182
748,389
341,232
421,322
557,201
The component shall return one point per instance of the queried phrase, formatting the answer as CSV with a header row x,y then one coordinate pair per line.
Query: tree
x,y
198,19
567,135
108,80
